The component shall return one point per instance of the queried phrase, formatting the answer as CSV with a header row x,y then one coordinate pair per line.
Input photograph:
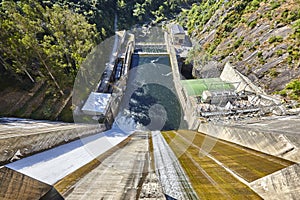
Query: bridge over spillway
x,y
151,48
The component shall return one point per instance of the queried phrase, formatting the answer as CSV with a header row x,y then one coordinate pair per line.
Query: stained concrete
x,y
283,184
173,179
120,176
17,186
278,136
20,137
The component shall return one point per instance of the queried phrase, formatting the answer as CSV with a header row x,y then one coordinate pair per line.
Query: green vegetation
x,y
252,24
253,6
279,52
275,4
274,39
273,73
259,54
292,90
41,44
160,10
46,42
194,20
288,16
221,25
238,42
240,56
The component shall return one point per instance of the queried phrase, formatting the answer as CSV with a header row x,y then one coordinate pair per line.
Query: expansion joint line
x,y
204,173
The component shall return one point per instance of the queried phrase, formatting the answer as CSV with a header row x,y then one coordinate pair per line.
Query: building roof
x,y
177,29
96,104
195,87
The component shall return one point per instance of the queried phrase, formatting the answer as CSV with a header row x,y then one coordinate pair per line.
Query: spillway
x,y
134,160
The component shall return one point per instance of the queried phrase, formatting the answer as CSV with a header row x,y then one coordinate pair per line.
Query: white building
x,y
178,34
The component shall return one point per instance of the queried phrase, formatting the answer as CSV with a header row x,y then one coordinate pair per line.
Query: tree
x,y
38,41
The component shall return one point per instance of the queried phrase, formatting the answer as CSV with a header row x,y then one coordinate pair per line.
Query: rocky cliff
x,y
260,38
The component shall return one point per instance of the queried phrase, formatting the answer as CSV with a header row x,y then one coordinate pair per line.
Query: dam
x,y
151,143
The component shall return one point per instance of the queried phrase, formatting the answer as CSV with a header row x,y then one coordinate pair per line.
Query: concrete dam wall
x,y
283,184
14,185
23,143
278,137
280,144
186,105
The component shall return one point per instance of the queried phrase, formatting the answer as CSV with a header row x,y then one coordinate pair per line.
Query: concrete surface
x,y
120,176
151,189
187,106
283,184
278,136
17,186
229,74
60,161
173,179
21,137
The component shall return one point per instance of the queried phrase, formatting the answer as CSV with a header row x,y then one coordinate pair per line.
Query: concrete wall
x,y
274,143
229,74
28,144
117,94
283,184
17,186
188,108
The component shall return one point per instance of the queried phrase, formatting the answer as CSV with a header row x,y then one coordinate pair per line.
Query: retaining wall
x,y
284,145
17,186
284,184
187,107
229,74
28,144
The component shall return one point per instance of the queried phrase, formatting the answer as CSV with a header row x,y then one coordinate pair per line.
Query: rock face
x,y
259,38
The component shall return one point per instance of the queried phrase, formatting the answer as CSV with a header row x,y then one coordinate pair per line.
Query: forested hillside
x,y
43,43
41,49
260,38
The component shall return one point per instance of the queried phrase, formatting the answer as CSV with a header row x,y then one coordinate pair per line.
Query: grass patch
x,y
274,39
